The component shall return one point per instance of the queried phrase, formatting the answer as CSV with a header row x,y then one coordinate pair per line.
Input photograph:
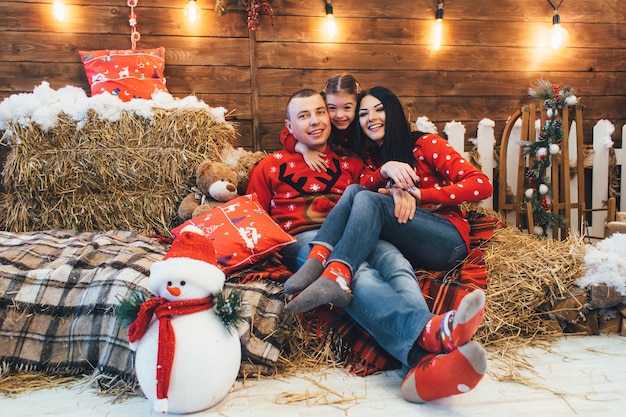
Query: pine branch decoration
x,y
253,8
128,309
228,308
539,190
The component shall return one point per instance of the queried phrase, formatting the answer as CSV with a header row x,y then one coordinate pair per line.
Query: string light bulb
x,y
438,25
58,9
558,35
192,11
331,27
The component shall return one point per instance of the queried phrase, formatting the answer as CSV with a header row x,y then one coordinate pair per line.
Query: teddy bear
x,y
216,183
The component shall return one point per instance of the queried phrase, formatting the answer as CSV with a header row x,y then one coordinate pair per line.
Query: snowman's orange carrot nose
x,y
175,291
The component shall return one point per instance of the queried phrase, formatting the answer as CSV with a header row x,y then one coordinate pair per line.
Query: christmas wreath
x,y
538,189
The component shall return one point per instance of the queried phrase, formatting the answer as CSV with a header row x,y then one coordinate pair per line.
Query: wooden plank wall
x,y
491,53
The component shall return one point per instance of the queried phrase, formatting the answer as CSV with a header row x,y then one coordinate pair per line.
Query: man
x,y
436,351
296,197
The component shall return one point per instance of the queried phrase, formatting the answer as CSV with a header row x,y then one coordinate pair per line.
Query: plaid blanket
x,y
58,294
444,290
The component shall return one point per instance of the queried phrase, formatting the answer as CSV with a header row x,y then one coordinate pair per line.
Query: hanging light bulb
x,y
331,27
558,35
58,9
192,11
438,25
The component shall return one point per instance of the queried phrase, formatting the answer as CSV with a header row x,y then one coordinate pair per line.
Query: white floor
x,y
578,376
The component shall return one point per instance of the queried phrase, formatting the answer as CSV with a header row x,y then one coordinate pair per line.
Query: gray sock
x,y
303,277
322,291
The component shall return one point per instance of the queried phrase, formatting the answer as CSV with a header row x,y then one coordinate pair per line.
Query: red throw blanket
x,y
443,291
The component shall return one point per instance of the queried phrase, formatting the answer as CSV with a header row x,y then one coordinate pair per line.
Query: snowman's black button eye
x,y
182,283
169,283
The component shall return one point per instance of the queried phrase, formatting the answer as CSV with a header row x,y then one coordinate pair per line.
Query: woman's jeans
x,y
386,298
361,217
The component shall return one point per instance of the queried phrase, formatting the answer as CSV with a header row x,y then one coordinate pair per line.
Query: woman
x,y
409,196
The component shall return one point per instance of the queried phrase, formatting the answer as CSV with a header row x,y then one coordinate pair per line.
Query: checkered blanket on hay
x,y
59,290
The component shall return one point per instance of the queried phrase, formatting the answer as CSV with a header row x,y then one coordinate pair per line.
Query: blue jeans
x,y
294,254
386,298
428,241
387,302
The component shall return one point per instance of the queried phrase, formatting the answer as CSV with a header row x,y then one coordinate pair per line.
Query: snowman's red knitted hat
x,y
192,256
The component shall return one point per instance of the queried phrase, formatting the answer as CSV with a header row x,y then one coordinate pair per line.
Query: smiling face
x,y
342,109
308,121
372,118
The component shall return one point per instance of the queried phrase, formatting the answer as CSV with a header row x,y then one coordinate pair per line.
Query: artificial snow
x,y
605,263
424,125
44,106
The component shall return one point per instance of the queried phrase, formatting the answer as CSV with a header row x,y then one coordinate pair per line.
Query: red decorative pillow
x,y
241,231
126,74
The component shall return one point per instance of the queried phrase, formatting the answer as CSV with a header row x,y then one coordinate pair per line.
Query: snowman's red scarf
x,y
164,310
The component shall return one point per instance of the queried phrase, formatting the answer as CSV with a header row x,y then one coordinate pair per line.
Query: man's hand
x,y
404,203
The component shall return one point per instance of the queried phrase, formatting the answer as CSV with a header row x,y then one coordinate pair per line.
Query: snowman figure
x,y
186,359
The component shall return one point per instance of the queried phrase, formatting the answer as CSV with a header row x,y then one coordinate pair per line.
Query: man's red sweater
x,y
296,197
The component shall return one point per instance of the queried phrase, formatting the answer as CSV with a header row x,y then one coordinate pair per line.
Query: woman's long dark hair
x,y
399,141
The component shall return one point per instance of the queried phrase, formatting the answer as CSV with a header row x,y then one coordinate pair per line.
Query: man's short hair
x,y
305,92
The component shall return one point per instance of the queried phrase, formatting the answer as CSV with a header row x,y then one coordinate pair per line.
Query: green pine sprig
x,y
228,308
128,309
554,99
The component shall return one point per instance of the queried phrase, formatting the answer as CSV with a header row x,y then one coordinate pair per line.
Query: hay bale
x,y
526,277
100,174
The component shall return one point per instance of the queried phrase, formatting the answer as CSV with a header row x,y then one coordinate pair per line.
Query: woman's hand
x,y
404,203
314,159
401,173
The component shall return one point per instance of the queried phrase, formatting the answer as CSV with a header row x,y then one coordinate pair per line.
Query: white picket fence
x,y
603,132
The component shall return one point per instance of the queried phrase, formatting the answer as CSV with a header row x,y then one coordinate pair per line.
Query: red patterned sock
x,y
340,272
332,287
309,271
319,252
440,376
445,332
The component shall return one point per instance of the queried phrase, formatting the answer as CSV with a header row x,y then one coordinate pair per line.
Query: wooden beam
x,y
254,92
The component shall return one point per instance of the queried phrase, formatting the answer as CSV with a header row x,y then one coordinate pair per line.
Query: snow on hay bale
x,y
102,167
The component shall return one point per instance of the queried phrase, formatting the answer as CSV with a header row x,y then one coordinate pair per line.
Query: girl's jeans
x,y
428,241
